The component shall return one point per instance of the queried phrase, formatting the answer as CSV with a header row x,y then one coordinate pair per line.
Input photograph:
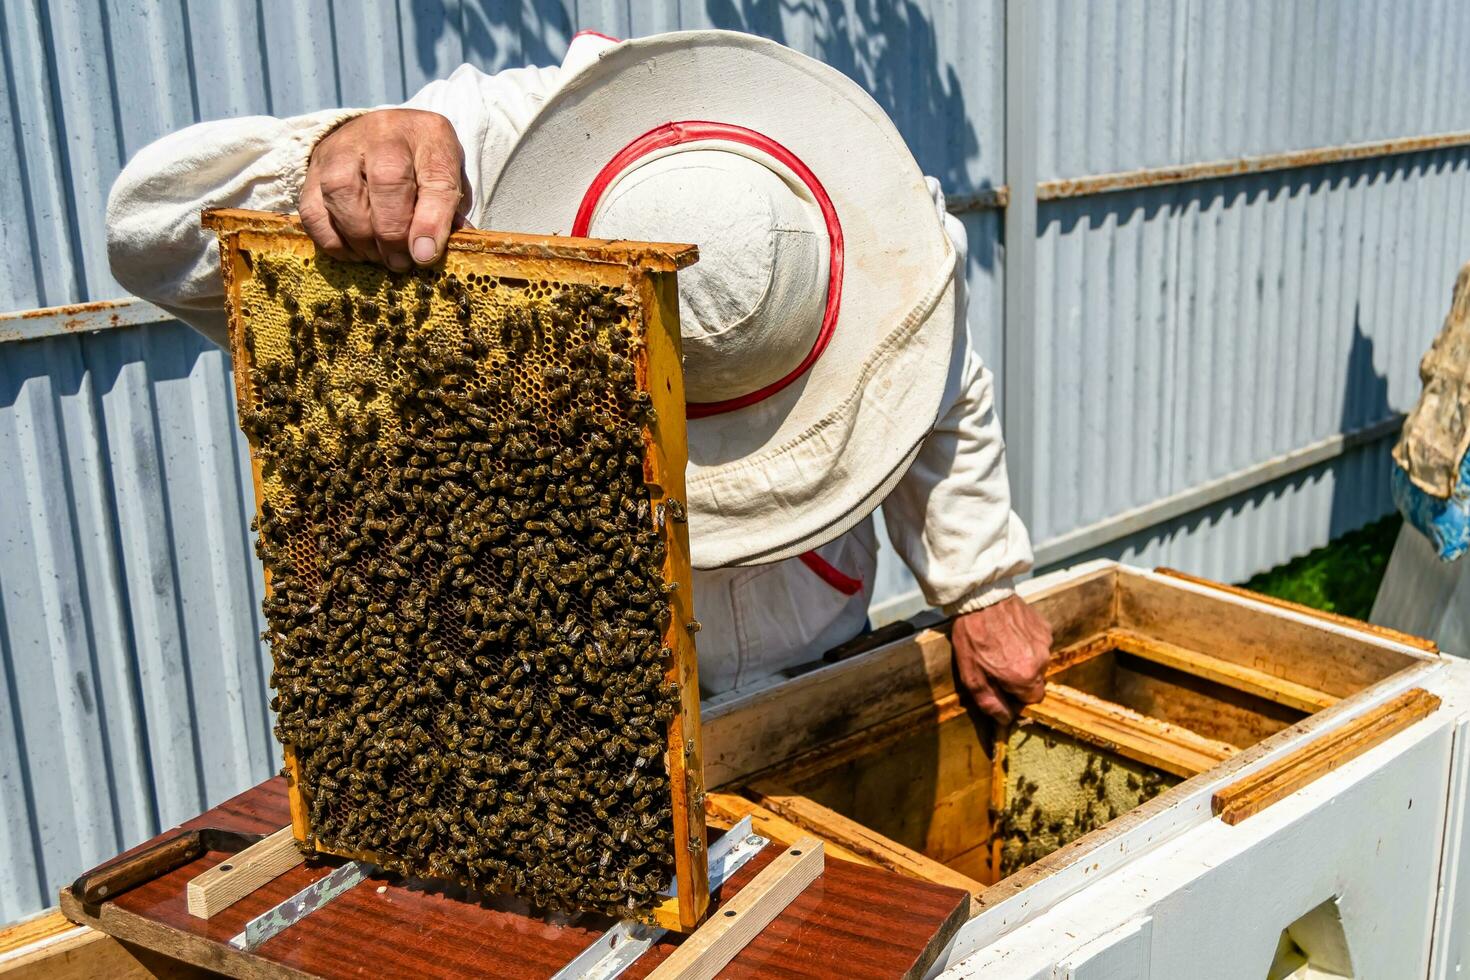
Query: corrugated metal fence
x,y
1203,372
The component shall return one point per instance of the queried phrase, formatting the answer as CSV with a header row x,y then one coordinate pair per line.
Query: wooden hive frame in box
x,y
641,276
1174,681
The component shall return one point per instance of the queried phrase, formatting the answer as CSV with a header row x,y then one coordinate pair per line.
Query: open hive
x,y
1155,678
469,482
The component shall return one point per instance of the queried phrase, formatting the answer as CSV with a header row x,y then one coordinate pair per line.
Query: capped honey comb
x,y
469,482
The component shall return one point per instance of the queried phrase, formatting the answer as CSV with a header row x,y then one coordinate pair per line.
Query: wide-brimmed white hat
x,y
819,322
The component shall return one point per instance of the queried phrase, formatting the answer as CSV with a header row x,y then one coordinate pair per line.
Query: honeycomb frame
x,y
644,276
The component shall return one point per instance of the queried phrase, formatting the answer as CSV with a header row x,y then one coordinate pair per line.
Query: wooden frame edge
x,y
1239,677
650,277
1383,632
1173,748
654,256
186,948
715,943
724,810
881,850
1272,783
665,461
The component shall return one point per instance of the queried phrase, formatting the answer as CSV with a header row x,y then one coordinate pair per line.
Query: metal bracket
x,y
621,945
300,905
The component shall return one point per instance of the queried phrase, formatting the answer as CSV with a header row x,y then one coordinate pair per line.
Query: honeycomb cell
x,y
466,605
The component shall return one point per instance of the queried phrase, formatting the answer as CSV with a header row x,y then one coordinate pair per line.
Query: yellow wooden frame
x,y
647,272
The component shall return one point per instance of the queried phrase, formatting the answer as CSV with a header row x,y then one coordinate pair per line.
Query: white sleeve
x,y
156,246
950,517
488,113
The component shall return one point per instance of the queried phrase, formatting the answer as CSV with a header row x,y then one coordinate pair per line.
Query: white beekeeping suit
x,y
949,517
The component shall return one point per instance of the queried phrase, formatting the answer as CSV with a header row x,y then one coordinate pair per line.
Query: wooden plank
x,y
956,762
1116,728
768,727
724,810
1322,655
1281,778
884,924
81,953
853,835
1234,675
999,765
1080,652
654,256
1238,676
921,780
975,863
300,820
233,271
1078,603
1404,708
1204,707
72,952
33,929
214,958
666,455
867,742
666,914
1407,639
715,943
226,883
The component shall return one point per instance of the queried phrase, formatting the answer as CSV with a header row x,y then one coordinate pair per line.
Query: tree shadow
x,y
493,34
890,49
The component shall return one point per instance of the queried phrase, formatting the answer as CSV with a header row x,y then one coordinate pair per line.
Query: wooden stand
x,y
877,923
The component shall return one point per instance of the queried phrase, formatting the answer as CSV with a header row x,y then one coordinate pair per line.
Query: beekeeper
x,y
826,357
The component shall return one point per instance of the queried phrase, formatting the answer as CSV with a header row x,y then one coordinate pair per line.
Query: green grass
x,y
1341,577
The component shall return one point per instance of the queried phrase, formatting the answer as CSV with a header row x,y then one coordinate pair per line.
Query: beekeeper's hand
x,y
1001,653
386,186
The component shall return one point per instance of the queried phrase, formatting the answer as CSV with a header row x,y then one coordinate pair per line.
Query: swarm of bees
x,y
467,599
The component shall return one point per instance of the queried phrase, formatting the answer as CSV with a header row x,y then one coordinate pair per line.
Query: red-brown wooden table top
x,y
853,921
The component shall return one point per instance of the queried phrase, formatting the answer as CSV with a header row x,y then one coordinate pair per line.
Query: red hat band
x,y
675,133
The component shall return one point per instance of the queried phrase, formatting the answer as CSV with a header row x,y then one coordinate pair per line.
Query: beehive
x,y
469,482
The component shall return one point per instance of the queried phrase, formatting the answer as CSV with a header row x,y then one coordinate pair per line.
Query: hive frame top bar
x,y
652,256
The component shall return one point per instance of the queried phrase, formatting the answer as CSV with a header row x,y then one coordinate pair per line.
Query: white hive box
x,y
1289,787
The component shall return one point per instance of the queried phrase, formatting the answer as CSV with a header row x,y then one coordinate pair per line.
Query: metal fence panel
x,y
1195,355
1188,332
135,681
